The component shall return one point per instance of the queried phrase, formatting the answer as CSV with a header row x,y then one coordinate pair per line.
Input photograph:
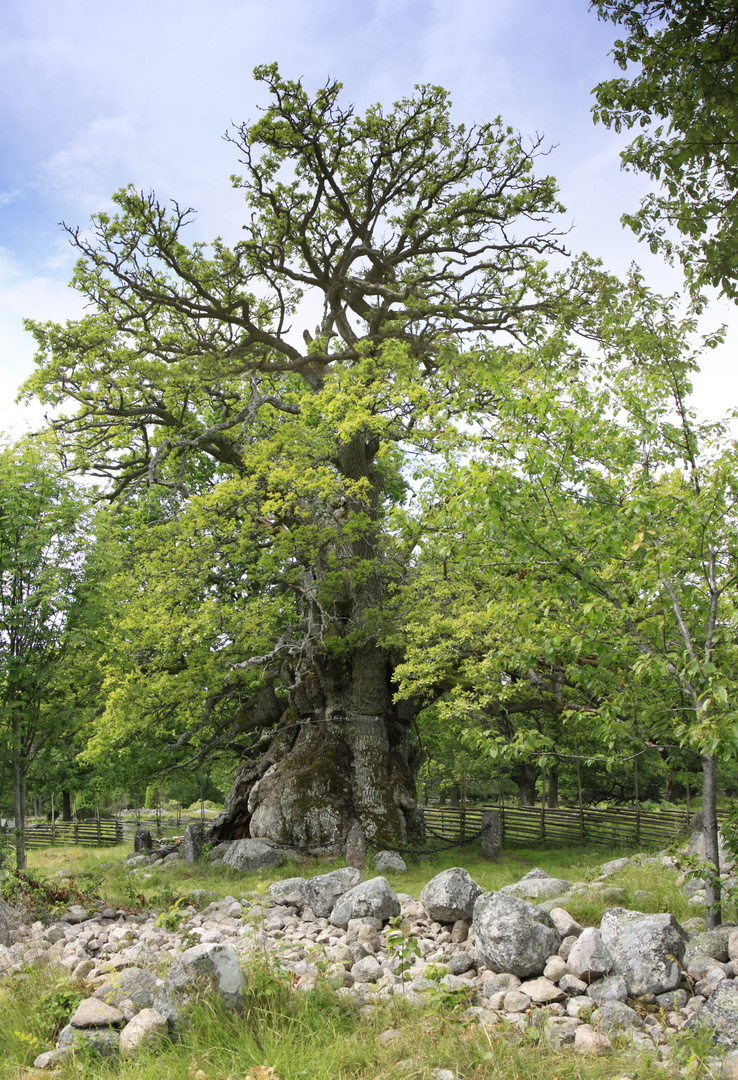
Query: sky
x,y
94,96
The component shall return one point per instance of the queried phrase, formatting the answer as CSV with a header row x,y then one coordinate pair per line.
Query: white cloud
x,y
24,296
7,197
82,170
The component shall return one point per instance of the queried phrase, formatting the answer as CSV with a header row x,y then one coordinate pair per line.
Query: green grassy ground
x,y
318,1035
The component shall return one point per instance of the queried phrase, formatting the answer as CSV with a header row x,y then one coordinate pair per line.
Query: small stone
x,y
589,1041
92,1013
491,843
49,1059
589,959
192,843
389,862
460,963
388,1036
570,984
555,968
146,1028
366,970
566,925
542,991
450,895
460,931
516,1002
83,969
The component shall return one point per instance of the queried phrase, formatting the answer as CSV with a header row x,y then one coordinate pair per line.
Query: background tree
x,y
47,576
605,521
286,462
682,91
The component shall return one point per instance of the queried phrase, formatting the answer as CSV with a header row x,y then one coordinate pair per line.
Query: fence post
x,y
581,804
492,834
543,802
638,804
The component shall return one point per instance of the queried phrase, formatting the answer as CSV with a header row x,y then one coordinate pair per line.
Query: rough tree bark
x,y
351,757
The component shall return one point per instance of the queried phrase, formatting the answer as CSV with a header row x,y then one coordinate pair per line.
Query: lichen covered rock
x,y
373,899
513,935
646,950
450,895
210,967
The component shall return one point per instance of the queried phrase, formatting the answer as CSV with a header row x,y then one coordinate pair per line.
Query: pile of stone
x,y
515,955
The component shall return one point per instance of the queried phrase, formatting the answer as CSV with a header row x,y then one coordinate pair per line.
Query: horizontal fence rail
x,y
520,824
103,833
526,824
106,832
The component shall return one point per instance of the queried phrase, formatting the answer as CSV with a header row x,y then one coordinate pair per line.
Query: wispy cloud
x,y
7,197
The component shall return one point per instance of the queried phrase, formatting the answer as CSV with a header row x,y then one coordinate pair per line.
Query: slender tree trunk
x,y
553,787
18,798
66,805
712,846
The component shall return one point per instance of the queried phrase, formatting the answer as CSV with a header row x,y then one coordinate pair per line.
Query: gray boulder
x,y
373,899
209,967
389,862
720,1012
615,1016
609,868
101,1042
538,885
252,855
450,895
291,890
321,892
647,950
612,988
133,984
589,958
513,935
712,943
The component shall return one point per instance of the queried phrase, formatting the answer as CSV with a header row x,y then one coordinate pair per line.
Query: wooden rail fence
x,y
528,824
103,833
520,824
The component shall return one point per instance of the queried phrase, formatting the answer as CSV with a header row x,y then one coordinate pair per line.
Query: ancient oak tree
x,y
276,462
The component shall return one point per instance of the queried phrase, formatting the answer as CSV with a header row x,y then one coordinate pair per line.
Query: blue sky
x,y
97,95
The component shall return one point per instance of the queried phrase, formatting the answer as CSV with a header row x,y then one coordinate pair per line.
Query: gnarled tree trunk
x,y
343,752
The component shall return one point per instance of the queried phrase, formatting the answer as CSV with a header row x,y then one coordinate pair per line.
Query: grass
x,y
317,1034
307,1036
103,871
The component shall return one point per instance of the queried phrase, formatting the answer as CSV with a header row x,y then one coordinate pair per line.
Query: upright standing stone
x,y
194,838
492,835
356,847
142,840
